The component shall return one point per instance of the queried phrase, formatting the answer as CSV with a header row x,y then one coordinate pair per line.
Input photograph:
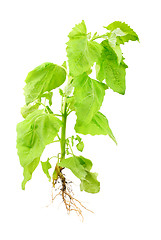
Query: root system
x,y
64,189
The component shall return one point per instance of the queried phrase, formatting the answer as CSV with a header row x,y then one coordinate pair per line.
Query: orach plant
x,y
82,95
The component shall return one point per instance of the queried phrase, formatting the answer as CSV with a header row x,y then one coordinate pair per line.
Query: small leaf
x,y
97,126
78,138
68,90
43,78
48,95
61,92
71,102
55,176
45,167
28,171
27,109
128,32
80,146
90,184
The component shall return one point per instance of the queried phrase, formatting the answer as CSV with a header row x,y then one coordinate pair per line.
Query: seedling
x,y
82,95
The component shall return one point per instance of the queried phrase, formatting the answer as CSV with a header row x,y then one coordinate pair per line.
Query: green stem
x,y
58,115
56,141
99,36
64,112
71,149
63,129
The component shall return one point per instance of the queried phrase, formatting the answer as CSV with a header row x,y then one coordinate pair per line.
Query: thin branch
x,y
99,36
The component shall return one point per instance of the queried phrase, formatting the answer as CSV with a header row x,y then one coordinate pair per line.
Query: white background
x,y
129,203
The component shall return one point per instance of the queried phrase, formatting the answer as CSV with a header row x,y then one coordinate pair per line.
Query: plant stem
x,y
64,112
71,149
99,36
62,139
63,129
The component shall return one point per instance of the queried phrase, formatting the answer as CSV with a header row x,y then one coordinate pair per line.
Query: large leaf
x,y
127,32
88,96
109,69
97,126
34,133
90,184
43,78
28,171
81,52
76,165
81,167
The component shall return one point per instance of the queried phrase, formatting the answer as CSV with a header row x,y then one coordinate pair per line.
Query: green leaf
x,y
55,176
61,92
119,34
86,163
27,109
43,78
109,69
48,95
126,33
73,163
79,30
90,184
45,167
71,102
34,133
88,95
78,138
115,46
68,90
78,165
80,146
28,171
81,52
97,126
